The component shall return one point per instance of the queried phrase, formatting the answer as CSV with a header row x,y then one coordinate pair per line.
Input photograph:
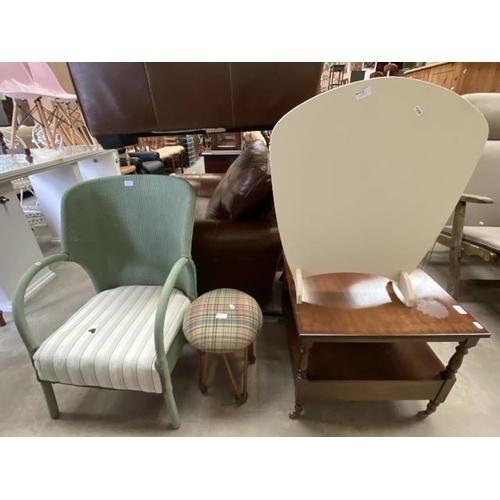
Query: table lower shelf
x,y
368,371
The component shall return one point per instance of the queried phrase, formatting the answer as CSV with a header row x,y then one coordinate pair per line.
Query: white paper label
x,y
221,316
128,183
418,110
364,92
478,325
460,310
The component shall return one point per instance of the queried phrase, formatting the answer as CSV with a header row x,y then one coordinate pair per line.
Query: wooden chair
x,y
66,118
474,228
17,83
133,238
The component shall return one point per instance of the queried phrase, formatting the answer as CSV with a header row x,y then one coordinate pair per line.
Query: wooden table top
x,y
364,307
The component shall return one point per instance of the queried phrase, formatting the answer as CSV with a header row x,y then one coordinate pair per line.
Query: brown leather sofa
x,y
126,100
236,242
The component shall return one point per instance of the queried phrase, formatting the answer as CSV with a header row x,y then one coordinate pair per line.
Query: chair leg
x,y
172,408
170,400
50,398
14,125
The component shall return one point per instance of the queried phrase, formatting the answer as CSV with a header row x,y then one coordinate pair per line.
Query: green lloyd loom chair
x,y
133,238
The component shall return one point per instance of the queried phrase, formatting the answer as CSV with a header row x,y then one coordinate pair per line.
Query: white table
x,y
51,174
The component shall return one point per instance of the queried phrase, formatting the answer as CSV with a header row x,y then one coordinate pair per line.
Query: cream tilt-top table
x,y
51,174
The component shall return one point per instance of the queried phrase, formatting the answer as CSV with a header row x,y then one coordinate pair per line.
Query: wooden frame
x,y
460,247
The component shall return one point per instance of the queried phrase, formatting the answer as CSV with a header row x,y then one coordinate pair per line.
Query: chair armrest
x,y
474,198
146,155
204,184
20,292
161,310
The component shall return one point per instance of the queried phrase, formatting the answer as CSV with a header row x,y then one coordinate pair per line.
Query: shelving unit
x,y
189,145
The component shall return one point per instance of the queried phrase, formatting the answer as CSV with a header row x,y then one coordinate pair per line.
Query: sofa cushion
x,y
245,186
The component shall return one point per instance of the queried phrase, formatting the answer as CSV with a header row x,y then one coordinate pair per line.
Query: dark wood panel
x,y
216,163
345,306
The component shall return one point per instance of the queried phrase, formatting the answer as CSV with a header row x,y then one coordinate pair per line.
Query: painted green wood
x,y
18,299
50,398
161,310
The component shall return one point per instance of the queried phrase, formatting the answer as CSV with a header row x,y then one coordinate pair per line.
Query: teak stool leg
x,y
241,395
231,376
203,365
251,354
244,378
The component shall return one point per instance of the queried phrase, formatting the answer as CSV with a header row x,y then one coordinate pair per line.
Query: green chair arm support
x,y
161,310
19,293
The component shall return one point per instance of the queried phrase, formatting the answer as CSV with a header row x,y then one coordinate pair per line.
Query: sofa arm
x,y
145,155
204,184
240,255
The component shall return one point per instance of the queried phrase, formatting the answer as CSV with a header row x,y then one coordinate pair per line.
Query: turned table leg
x,y
456,248
302,377
449,376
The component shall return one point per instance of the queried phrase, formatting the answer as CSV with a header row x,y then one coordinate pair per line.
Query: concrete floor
x,y
471,409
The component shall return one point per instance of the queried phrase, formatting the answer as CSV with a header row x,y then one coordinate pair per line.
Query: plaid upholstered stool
x,y
223,321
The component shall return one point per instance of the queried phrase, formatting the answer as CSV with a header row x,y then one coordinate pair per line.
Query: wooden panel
x,y
369,361
481,77
218,162
380,390
461,77
376,116
458,78
346,306
444,78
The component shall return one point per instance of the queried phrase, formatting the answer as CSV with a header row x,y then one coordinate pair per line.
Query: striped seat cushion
x,y
109,341
222,320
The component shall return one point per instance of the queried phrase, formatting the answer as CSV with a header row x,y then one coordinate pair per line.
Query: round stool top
x,y
222,320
